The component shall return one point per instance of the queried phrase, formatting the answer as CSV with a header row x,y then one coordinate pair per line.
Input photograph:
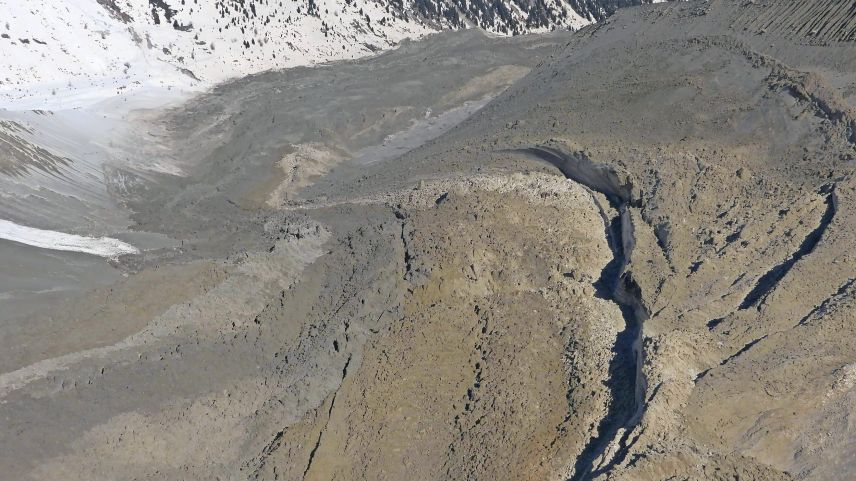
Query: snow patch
x,y
48,239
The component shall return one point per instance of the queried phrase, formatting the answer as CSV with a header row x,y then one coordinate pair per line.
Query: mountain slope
x,y
68,53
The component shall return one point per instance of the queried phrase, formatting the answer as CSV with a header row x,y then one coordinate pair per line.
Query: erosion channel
x,y
626,384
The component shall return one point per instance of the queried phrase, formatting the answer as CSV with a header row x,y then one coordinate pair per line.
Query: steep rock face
x,y
508,17
597,10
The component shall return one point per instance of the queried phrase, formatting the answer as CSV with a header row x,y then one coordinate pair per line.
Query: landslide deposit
x,y
624,253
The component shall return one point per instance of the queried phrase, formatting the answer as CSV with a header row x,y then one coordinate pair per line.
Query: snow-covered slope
x,y
65,53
